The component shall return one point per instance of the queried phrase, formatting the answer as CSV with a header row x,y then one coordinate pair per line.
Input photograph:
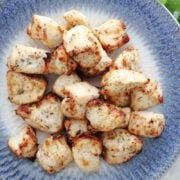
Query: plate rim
x,y
4,2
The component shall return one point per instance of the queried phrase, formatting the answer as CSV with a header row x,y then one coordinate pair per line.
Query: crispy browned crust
x,y
24,111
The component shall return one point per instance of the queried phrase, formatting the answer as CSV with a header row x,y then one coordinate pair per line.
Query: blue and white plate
x,y
156,35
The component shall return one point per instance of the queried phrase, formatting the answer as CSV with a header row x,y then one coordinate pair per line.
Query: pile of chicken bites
x,y
83,121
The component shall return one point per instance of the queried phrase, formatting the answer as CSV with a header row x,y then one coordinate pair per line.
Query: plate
x,y
156,35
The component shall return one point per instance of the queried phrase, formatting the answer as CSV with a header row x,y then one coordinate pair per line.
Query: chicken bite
x,y
24,89
77,96
54,154
120,146
106,117
45,115
128,59
74,18
117,85
146,96
60,63
112,34
76,128
86,151
27,59
118,80
146,124
46,30
24,144
63,81
82,46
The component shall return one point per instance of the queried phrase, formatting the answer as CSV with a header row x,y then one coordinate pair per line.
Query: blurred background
x,y
173,6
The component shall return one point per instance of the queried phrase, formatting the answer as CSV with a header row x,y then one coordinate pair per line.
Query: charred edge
x,y
161,99
71,64
96,102
125,39
104,150
47,60
24,109
147,82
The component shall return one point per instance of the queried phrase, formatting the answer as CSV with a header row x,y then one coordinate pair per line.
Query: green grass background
x,y
173,6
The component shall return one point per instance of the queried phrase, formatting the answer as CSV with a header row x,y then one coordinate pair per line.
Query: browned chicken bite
x,y
146,124
86,151
128,59
82,46
24,144
146,96
105,117
112,34
46,30
27,60
74,18
54,154
23,89
45,115
120,146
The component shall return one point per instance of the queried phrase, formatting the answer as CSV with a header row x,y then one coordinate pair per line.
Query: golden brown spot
x,y
44,35
95,102
124,62
23,110
23,144
38,28
114,66
71,66
47,143
84,162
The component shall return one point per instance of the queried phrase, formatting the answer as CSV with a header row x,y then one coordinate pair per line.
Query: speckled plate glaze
x,y
157,36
